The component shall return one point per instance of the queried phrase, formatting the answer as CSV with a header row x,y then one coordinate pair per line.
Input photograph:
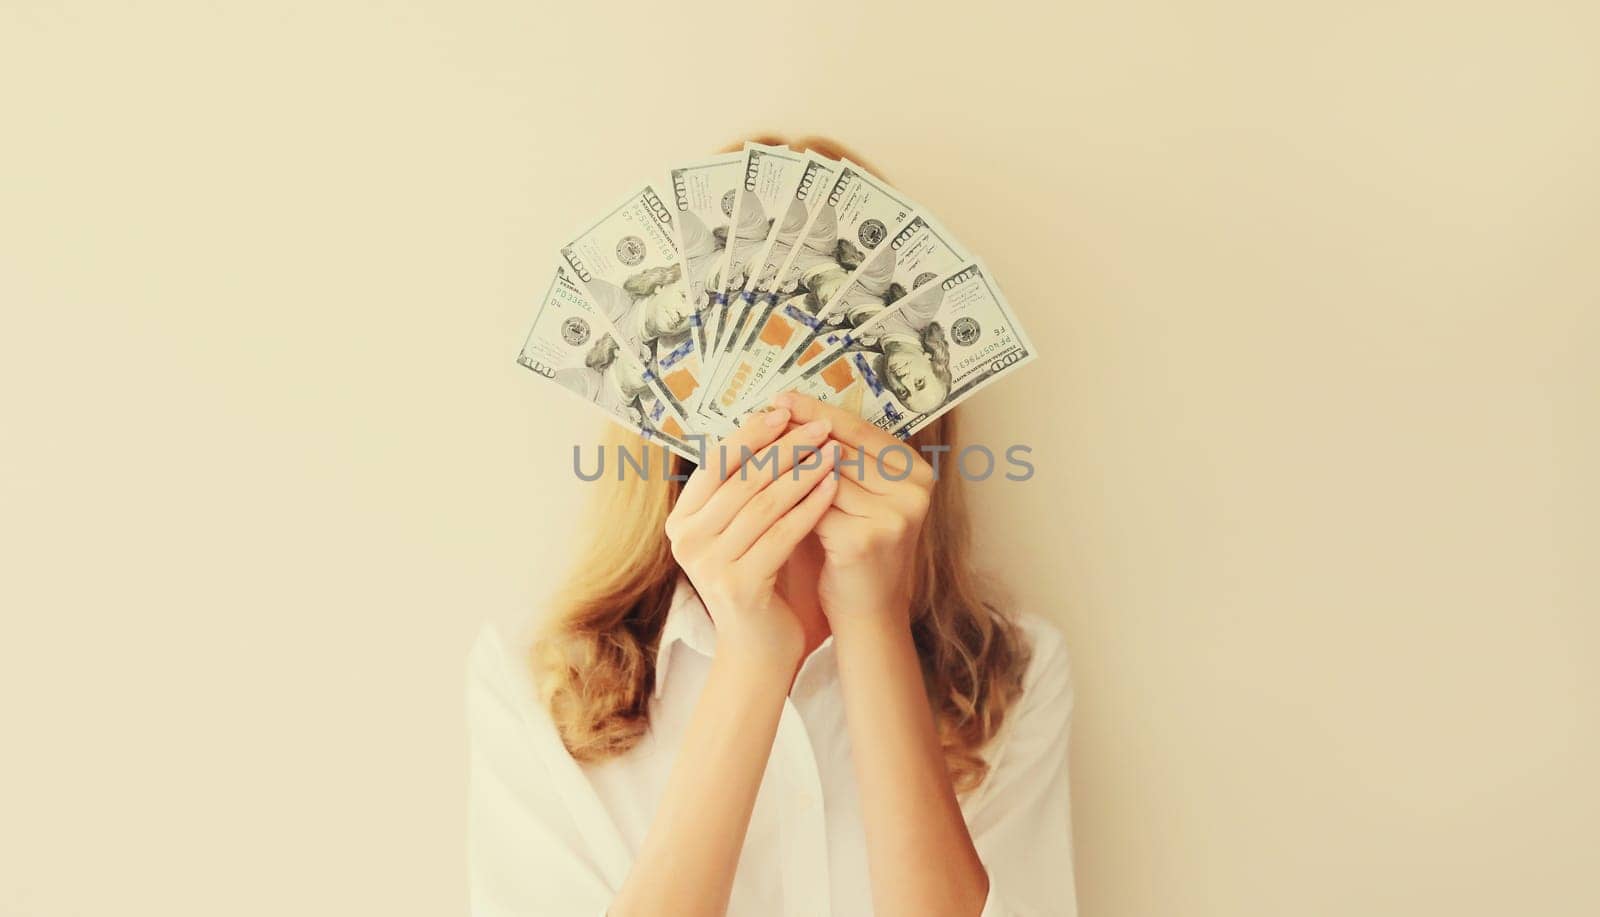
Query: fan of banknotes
x,y
697,299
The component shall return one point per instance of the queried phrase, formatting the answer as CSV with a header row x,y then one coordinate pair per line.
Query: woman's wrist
x,y
871,629
771,637
756,664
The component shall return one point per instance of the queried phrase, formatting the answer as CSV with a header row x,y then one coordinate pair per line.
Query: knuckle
x,y
685,549
785,528
754,434
745,482
680,528
682,554
749,488
764,503
919,499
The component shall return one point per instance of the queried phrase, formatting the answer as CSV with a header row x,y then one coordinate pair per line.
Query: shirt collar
x,y
688,623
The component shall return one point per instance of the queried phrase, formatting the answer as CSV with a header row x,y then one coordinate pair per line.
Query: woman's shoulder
x,y
524,784
486,658
1033,737
1047,681
500,674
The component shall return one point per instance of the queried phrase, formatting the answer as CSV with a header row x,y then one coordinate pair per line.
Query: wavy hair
x,y
596,652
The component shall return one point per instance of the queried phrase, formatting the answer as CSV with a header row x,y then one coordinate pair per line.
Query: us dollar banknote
x,y
703,197
805,194
572,345
801,198
769,175
793,331
858,214
922,356
627,262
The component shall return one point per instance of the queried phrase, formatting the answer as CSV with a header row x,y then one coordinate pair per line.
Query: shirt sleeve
x,y
1021,822
527,850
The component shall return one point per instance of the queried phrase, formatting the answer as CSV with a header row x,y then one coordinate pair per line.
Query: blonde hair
x,y
595,656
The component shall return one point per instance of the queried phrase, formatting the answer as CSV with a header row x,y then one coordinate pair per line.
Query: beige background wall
x,y
1317,291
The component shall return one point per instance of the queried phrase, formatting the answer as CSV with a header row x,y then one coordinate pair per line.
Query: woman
x,y
775,691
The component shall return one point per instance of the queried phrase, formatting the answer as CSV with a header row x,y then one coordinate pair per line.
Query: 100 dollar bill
x,y
803,192
859,213
627,263
792,332
806,194
769,175
921,357
703,197
571,345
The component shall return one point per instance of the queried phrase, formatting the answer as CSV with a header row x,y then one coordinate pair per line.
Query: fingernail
x,y
777,417
785,400
814,428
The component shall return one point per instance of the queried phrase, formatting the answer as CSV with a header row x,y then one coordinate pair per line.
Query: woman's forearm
x,y
919,852
692,849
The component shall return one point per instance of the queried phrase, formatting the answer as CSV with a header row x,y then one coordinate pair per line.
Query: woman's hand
x,y
869,534
869,541
734,525
737,521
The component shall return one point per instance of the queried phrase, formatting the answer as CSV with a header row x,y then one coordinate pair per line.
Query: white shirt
x,y
550,836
